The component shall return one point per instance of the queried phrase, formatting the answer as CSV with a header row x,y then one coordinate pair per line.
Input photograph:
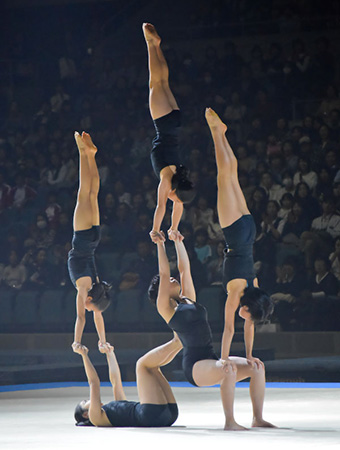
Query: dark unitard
x,y
134,414
190,322
238,254
165,146
81,261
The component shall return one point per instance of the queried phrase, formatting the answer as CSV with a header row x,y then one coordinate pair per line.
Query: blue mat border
x,y
269,385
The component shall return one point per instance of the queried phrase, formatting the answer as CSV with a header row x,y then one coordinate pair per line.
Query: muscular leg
x,y
82,220
231,204
91,151
209,372
257,388
161,99
151,384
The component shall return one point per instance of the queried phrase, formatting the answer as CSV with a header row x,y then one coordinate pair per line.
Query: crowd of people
x,y
289,170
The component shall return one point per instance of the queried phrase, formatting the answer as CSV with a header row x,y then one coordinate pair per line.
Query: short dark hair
x,y
81,421
153,290
259,304
184,188
100,295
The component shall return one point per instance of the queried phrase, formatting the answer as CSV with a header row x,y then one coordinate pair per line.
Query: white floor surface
x,y
43,419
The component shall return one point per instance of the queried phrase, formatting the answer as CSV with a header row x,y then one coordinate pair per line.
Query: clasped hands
x,y
105,348
158,236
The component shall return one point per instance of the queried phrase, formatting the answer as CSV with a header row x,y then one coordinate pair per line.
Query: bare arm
x,y
249,331
177,211
100,326
231,306
114,374
96,415
80,320
183,264
164,188
163,299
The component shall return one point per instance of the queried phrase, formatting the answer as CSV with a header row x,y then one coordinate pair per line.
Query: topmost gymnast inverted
x,y
239,278
174,183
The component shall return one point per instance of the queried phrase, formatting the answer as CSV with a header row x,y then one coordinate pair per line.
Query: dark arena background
x,y
271,70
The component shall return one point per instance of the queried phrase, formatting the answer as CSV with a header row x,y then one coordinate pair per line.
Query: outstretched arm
x,y
80,320
96,414
177,211
164,188
100,327
231,306
183,264
114,373
163,299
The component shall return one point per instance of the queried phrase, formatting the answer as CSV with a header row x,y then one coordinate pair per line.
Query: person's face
x,y
175,288
258,196
303,191
287,148
109,201
271,209
41,257
303,165
330,159
267,180
319,266
327,207
89,306
244,313
296,209
287,203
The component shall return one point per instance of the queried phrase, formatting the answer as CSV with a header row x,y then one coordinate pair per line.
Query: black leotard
x,y
81,261
165,146
238,254
190,322
133,414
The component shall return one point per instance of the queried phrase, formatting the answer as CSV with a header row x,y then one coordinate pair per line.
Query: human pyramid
x,y
175,300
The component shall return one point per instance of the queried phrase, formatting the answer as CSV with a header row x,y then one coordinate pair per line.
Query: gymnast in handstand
x,y
165,155
92,294
239,278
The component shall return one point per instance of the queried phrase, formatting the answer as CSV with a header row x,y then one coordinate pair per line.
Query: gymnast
x,y
165,158
239,278
176,303
157,405
92,294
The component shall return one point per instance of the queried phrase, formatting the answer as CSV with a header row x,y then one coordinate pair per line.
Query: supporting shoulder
x,y
96,414
164,307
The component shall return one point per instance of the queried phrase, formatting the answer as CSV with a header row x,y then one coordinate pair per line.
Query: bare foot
x,y
90,148
79,141
260,423
151,34
234,426
214,121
